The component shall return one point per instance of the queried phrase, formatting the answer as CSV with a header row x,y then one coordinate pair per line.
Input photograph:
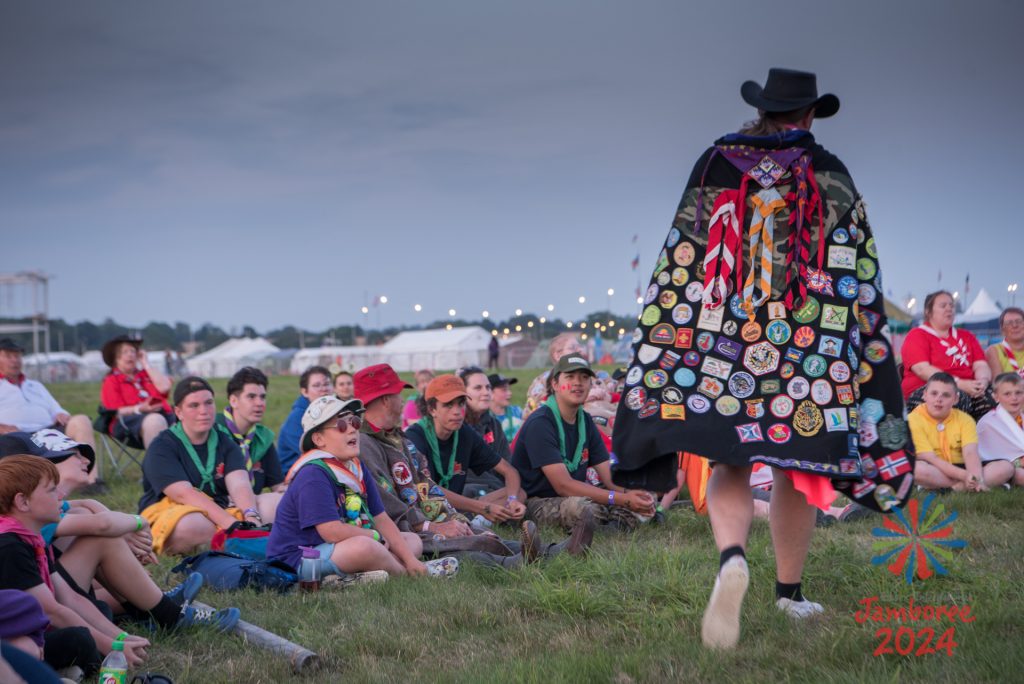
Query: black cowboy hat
x,y
110,348
786,90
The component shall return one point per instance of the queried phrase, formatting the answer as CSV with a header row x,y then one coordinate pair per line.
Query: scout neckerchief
x,y
767,203
940,427
34,539
581,438
244,441
347,475
16,380
135,381
1011,359
205,469
444,474
956,352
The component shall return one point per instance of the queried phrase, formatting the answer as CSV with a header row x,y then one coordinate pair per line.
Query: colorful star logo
x,y
915,541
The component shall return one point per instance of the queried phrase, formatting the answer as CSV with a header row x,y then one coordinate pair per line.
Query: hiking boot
x,y
799,609
531,542
223,620
347,580
442,567
185,593
582,534
486,543
720,628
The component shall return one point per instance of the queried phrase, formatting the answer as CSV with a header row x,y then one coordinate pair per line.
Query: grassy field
x,y
629,612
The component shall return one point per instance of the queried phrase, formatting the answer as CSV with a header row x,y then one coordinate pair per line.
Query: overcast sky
x,y
268,163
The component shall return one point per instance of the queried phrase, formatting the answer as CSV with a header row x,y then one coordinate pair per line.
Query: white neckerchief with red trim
x,y
1011,358
957,352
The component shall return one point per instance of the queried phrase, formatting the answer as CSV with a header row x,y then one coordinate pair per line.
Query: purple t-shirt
x,y
312,498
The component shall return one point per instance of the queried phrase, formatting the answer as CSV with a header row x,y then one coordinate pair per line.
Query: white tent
x,y
349,358
983,308
52,366
225,359
439,349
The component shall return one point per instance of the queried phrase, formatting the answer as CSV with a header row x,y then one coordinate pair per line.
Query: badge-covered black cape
x,y
789,367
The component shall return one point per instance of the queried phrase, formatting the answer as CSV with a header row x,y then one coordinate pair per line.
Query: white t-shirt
x,y
29,408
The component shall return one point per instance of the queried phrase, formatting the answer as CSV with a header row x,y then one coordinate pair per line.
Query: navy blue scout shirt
x,y
537,446
474,454
166,462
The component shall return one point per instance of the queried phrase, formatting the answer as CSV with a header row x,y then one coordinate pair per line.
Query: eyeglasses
x,y
1013,322
346,421
321,386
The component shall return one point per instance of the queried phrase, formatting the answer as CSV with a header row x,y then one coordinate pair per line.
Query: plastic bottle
x,y
114,669
309,570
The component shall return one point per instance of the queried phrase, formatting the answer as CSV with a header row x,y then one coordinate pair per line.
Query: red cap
x,y
377,381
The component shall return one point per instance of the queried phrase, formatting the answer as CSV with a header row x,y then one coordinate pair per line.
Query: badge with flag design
x,y
892,465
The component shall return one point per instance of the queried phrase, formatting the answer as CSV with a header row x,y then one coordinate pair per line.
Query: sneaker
x,y
223,620
185,593
720,628
348,580
443,567
799,609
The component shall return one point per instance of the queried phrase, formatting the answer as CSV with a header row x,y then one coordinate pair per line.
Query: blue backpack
x,y
227,571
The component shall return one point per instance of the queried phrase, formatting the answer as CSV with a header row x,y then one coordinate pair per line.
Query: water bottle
x,y
114,669
309,570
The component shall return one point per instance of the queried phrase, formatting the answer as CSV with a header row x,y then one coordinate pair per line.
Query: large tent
x,y
437,349
225,359
347,358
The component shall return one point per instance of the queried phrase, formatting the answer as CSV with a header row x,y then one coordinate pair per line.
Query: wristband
x,y
611,498
512,498
138,523
251,511
376,535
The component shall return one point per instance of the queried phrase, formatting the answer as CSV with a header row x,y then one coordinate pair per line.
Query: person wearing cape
x,y
762,340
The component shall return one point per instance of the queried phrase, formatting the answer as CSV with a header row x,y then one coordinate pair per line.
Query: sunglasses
x,y
346,421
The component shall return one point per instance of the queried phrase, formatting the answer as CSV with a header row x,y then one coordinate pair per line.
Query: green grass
x,y
629,612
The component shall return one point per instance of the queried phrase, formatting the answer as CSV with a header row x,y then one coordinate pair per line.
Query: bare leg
x,y
1018,477
928,476
152,425
996,473
730,505
670,495
111,558
193,530
362,554
792,523
267,505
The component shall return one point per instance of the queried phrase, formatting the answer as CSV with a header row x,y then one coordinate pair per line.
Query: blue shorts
x,y
327,566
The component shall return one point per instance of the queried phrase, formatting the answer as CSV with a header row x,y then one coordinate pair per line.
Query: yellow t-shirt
x,y
959,430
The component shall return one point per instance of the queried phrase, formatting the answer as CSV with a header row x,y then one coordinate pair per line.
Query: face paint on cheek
x,y
565,388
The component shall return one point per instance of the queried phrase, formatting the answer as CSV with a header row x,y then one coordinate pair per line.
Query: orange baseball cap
x,y
445,388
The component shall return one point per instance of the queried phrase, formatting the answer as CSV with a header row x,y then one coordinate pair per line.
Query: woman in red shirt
x,y
137,391
936,346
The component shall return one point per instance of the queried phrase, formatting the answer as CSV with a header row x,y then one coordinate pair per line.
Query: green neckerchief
x,y
444,475
581,426
205,470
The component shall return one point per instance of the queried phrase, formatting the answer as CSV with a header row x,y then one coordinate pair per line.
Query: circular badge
x,y
853,231
821,391
662,333
694,291
781,406
870,248
691,358
668,299
673,238
655,378
839,236
779,433
847,287
864,373
751,331
786,370
682,314
727,406
684,377
729,328
815,365
664,278
635,375
651,294
854,338
866,294
671,395
778,332
798,387
876,351
680,276
705,342
650,408
741,385
651,315
839,371
635,398
698,403
804,337
809,311
866,268
684,253
736,307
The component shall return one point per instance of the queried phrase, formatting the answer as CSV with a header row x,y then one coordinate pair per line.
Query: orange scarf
x,y
940,427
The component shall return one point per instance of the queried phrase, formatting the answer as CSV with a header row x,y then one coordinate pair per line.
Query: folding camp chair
x,y
117,452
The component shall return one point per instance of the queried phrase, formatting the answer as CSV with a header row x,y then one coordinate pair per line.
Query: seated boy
x,y
946,440
1001,432
332,504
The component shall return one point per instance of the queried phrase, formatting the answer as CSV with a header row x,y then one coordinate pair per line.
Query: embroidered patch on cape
x,y
807,419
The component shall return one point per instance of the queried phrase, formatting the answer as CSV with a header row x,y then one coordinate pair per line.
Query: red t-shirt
x,y
119,390
953,355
